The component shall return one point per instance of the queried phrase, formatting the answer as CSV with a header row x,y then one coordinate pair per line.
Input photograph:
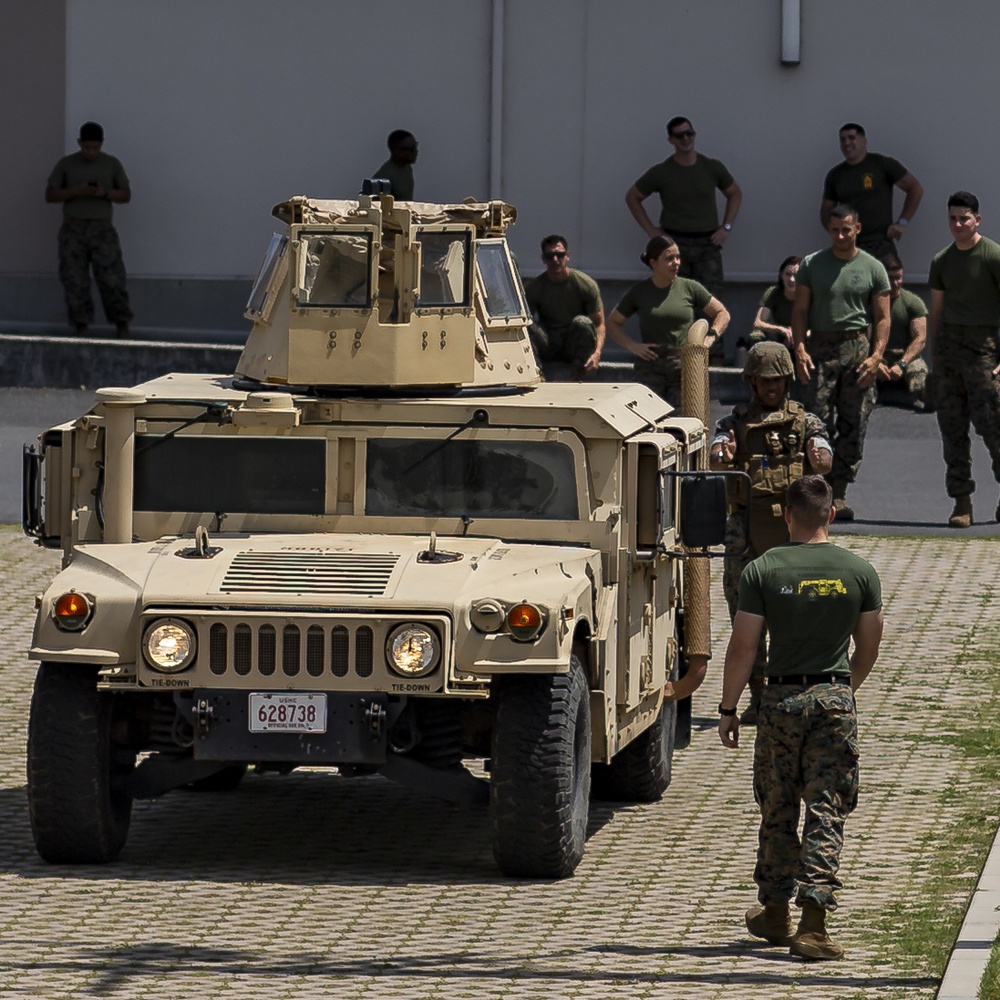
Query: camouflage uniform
x,y
836,398
914,379
701,259
770,449
85,245
966,392
663,376
573,344
806,751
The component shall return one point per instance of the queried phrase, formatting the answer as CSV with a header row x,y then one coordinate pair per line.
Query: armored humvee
x,y
383,545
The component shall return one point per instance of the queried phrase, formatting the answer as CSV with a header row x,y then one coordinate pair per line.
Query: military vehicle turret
x,y
383,545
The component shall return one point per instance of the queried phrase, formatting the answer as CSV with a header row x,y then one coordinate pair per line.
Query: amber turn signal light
x,y
524,621
72,611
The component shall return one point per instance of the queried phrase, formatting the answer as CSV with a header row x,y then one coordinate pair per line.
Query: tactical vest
x,y
770,449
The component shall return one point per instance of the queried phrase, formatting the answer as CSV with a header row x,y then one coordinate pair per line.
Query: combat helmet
x,y
768,359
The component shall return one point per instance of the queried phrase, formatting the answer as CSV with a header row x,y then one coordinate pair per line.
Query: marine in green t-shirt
x,y
970,281
398,169
905,308
865,181
841,290
665,314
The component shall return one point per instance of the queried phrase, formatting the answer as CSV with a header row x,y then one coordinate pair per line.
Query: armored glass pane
x,y
234,475
503,290
420,478
258,295
444,268
335,269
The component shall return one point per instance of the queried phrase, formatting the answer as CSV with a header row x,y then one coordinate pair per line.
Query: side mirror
x,y
703,510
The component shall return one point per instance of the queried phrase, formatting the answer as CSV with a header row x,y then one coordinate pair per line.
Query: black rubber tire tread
x,y
76,816
540,775
640,772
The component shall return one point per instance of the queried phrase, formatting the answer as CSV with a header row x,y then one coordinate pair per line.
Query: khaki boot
x,y
811,939
771,922
961,516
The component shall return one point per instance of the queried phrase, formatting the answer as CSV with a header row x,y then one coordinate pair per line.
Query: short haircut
x,y
891,262
810,499
91,132
792,259
655,247
851,127
552,239
675,121
842,211
964,199
397,136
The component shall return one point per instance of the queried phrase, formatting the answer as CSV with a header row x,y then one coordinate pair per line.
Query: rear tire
x,y
79,815
641,771
540,776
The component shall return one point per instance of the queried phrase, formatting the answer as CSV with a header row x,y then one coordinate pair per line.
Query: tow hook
x,y
375,718
203,712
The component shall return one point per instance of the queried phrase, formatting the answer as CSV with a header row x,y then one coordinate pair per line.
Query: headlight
x,y
72,611
169,645
413,650
525,621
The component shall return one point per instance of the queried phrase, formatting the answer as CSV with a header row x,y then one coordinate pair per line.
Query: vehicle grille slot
x,y
363,644
242,649
266,645
340,651
314,651
218,646
291,642
311,572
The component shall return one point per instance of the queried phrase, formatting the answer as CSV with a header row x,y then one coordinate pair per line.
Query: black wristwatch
x,y
902,365
726,711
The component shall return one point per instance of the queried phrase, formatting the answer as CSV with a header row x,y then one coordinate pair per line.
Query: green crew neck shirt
x,y
866,186
665,314
970,280
400,178
558,303
780,306
687,194
905,308
841,290
73,170
811,595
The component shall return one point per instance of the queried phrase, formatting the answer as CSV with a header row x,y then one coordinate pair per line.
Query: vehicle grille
x,y
316,650
365,573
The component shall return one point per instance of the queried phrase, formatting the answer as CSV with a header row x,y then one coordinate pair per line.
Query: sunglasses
x,y
555,254
688,133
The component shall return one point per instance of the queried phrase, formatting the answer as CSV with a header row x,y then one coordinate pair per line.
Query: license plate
x,y
287,713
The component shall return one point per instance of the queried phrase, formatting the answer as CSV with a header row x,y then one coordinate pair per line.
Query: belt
x,y
808,680
89,222
842,334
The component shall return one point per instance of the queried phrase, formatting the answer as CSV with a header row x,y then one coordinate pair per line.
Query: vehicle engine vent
x,y
311,572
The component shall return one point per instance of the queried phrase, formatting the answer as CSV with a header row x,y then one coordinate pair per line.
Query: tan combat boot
x,y
811,939
961,516
771,922
845,512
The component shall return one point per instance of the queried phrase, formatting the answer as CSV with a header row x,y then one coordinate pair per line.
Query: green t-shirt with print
x,y
687,194
400,178
665,314
906,307
866,186
970,280
73,170
781,307
810,595
557,303
841,290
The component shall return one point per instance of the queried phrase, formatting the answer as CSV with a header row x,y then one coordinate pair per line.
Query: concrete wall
x,y
220,109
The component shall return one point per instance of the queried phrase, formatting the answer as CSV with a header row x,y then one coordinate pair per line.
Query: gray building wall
x,y
220,108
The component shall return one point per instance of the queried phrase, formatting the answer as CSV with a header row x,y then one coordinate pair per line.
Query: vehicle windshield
x,y
408,477
502,289
444,268
335,269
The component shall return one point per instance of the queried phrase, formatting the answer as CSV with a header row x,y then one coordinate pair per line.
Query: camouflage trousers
x,y
701,259
732,571
834,395
86,247
663,376
572,344
806,753
914,379
965,392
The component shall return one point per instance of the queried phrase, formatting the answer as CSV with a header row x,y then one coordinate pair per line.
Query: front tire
x,y
79,814
540,777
